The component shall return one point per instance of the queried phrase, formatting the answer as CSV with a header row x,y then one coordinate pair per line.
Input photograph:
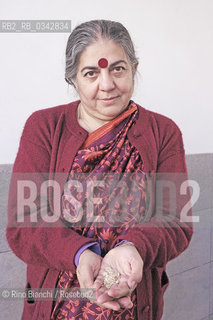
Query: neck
x,y
87,121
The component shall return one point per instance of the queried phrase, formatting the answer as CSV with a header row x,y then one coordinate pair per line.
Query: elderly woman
x,y
121,246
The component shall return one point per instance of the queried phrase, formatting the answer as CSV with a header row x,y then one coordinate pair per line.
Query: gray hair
x,y
89,32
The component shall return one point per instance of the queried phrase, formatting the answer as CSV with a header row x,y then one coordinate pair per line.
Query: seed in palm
x,y
111,277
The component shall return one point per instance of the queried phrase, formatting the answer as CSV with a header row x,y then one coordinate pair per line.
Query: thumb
x,y
132,284
136,274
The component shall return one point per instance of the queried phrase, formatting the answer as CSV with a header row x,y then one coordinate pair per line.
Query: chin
x,y
114,113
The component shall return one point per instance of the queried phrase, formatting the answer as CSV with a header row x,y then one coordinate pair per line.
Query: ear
x,y
75,84
135,68
70,82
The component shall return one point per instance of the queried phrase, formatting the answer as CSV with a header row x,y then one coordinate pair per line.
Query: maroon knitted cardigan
x,y
50,140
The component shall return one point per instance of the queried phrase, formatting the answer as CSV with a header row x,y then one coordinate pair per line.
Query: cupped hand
x,y
87,270
128,262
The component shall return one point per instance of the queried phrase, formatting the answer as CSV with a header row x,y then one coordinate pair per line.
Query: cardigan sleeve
x,y
164,232
30,236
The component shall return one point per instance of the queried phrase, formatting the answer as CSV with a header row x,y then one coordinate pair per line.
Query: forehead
x,y
103,48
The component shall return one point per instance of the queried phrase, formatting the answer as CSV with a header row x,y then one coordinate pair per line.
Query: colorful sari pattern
x,y
108,156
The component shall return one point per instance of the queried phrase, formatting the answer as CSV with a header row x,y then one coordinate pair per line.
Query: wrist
x,y
94,247
82,255
125,243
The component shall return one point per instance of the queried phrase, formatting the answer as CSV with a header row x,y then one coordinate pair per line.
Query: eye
x,y
90,74
119,69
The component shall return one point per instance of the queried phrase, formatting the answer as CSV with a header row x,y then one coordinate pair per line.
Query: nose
x,y
106,81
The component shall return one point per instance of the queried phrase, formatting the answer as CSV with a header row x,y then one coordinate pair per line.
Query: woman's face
x,y
104,92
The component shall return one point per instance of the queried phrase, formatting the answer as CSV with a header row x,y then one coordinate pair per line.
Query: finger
x,y
132,284
115,292
110,305
136,274
99,281
102,291
103,297
120,290
125,302
133,281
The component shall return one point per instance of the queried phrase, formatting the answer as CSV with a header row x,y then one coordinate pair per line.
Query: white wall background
x,y
173,40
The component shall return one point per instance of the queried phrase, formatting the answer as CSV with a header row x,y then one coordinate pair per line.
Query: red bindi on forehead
x,y
103,63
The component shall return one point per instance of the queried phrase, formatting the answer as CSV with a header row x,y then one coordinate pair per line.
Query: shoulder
x,y
52,114
157,120
160,131
45,121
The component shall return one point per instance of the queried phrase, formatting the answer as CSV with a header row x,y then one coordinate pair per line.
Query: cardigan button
x,y
136,134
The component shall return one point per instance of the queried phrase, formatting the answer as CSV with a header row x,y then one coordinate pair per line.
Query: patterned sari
x,y
108,156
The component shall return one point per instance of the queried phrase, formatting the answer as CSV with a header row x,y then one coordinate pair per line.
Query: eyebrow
x,y
110,66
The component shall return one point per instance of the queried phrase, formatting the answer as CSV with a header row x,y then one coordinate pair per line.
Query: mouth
x,y
110,99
